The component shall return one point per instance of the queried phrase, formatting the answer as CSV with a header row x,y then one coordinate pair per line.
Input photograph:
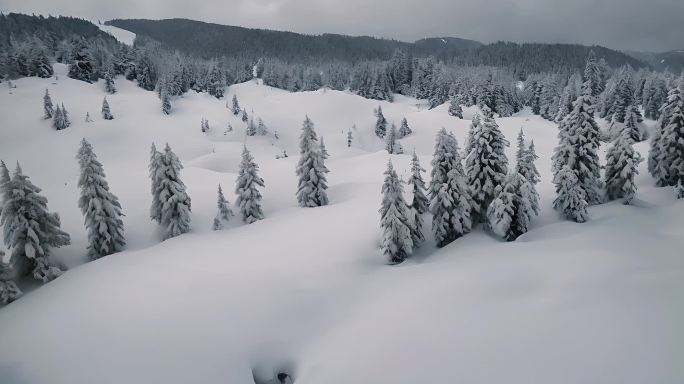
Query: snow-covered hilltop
x,y
307,291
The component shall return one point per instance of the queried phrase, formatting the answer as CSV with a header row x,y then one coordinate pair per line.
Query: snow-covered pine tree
x,y
48,108
486,165
455,108
450,202
571,197
632,118
175,202
668,149
58,119
261,128
251,129
82,63
474,123
100,208
244,117
622,163
110,87
510,213
311,170
106,113
65,117
324,150
525,158
4,184
29,229
224,212
404,129
420,204
9,291
380,123
397,243
578,146
391,139
350,138
166,101
246,187
592,75
155,176
204,125
236,106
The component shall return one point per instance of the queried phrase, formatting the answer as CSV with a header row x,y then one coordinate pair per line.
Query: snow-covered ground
x,y
307,290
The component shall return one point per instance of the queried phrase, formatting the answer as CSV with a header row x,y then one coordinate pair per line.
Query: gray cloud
x,y
654,25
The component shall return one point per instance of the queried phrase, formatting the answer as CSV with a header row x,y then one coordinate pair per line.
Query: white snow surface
x,y
307,290
122,35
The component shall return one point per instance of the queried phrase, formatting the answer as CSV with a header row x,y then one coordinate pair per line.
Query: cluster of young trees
x,y
576,167
458,197
666,157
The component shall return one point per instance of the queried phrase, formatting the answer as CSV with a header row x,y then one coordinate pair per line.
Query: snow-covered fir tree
x,y
48,108
101,208
525,158
419,204
391,144
404,129
110,87
455,108
106,113
251,129
380,123
578,146
235,108
82,63
244,117
30,231
4,184
510,213
486,165
350,138
592,75
261,128
173,199
65,116
622,163
155,176
311,171
450,202
395,221
666,158
166,102
324,150
224,212
9,291
59,119
246,188
204,125
474,123
570,196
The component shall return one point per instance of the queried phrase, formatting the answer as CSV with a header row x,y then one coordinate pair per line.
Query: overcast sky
x,y
647,25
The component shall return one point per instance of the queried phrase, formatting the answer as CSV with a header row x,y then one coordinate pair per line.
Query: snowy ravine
x,y
306,290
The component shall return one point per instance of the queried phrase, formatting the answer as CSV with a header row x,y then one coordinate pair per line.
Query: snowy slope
x,y
122,35
307,290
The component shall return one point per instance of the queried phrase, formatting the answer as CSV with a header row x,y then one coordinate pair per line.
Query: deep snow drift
x,y
307,291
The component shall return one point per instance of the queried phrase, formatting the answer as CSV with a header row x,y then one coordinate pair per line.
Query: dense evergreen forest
x,y
172,57
213,40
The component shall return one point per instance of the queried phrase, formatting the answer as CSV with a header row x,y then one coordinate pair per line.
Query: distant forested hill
x,y
47,29
214,40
